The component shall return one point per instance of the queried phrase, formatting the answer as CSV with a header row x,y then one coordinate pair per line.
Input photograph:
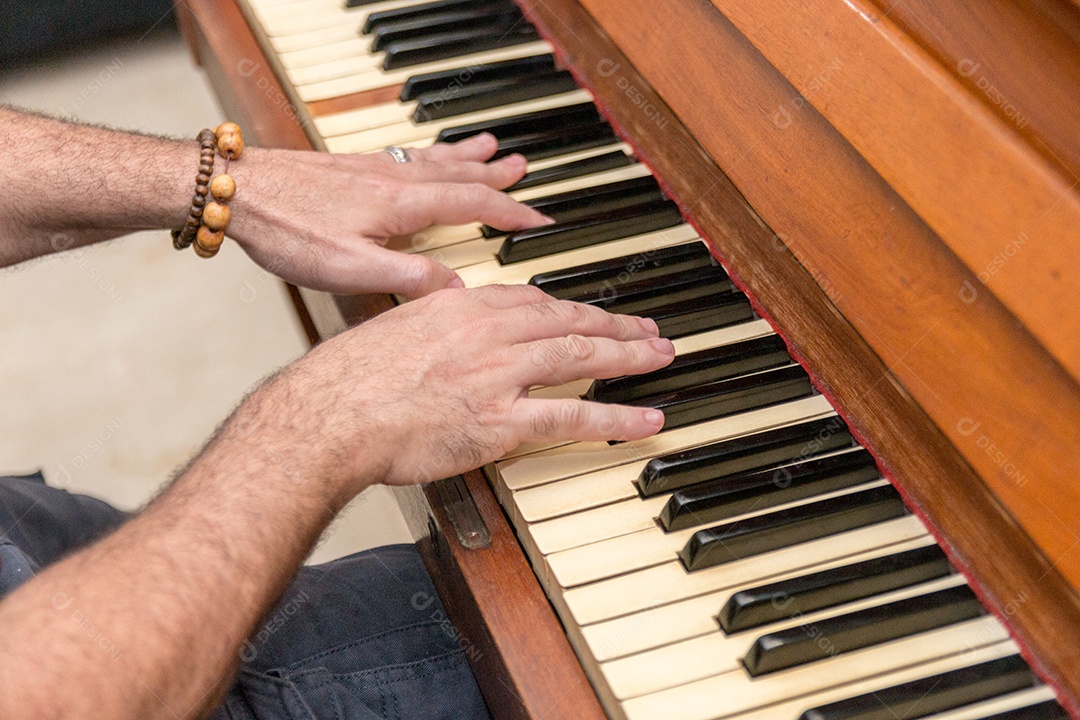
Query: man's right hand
x,y
440,385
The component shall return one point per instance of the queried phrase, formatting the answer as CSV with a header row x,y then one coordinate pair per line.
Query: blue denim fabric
x,y
359,638
40,524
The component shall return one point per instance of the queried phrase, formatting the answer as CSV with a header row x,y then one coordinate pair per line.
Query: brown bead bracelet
x,y
206,222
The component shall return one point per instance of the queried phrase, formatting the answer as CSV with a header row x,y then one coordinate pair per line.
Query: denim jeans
x,y
362,637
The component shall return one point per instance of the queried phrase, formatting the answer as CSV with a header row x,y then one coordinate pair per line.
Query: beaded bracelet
x,y
206,223
185,235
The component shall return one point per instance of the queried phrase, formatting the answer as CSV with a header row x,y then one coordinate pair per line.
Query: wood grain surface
x,y
864,292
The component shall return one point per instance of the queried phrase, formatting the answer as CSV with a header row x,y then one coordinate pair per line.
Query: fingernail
x,y
515,159
457,282
663,345
649,325
549,220
654,417
483,137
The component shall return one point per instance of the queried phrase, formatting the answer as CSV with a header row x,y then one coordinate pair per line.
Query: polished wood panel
x,y
1010,216
1016,56
853,246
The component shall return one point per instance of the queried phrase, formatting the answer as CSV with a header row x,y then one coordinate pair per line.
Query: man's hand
x,y
424,391
321,220
315,219
440,385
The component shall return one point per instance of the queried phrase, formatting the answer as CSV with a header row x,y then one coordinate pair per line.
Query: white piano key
x,y
492,273
668,583
715,653
579,458
379,78
607,521
792,709
407,131
1004,703
328,52
633,515
314,38
303,17
627,552
350,121
731,693
339,67
656,627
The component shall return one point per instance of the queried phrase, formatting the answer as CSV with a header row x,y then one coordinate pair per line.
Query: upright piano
x,y
859,221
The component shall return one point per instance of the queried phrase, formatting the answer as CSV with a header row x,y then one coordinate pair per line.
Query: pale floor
x,y
118,361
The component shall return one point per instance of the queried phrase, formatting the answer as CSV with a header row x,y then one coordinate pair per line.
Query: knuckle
x,y
578,348
573,414
419,273
544,423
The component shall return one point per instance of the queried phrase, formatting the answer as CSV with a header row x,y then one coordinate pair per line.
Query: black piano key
x,y
791,598
564,119
437,24
934,694
863,628
749,452
537,146
407,53
361,3
689,317
439,106
644,295
417,11
561,237
606,276
591,201
575,169
696,368
729,397
719,500
449,81
1045,710
783,528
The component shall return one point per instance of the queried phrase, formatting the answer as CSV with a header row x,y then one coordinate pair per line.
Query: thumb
x,y
413,276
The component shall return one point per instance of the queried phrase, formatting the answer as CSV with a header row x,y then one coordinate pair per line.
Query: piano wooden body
x,y
895,187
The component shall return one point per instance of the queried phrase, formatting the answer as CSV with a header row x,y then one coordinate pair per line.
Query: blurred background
x,y
118,361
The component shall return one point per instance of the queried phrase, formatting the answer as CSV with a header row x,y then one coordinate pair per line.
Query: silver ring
x,y
399,155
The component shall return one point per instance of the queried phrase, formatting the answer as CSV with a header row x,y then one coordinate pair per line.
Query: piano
x,y
859,222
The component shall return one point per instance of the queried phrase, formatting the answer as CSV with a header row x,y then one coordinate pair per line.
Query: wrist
x,y
289,428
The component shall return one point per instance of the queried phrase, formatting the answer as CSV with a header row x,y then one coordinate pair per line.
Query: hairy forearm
x,y
148,622
67,185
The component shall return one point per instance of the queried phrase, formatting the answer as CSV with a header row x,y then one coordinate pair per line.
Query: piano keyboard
x,y
749,561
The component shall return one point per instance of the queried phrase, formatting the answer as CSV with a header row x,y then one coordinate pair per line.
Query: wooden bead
x,y
205,136
201,189
209,239
203,252
202,179
223,187
216,216
227,128
198,201
230,146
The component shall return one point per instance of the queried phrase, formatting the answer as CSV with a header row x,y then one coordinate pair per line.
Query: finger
x,y
552,420
561,360
502,297
540,321
478,148
413,276
498,175
424,204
